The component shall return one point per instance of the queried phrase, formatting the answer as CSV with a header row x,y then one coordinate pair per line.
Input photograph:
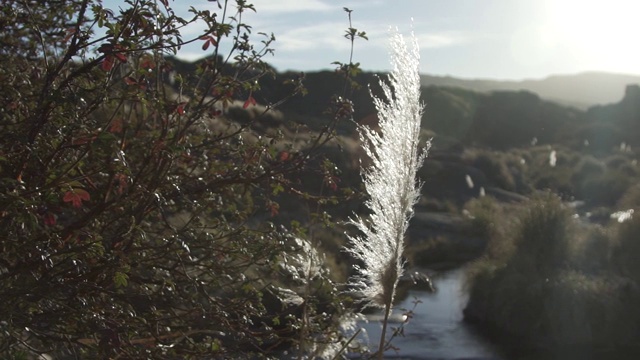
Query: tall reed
x,y
390,181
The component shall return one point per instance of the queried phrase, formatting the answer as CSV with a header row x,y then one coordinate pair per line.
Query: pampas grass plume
x,y
390,181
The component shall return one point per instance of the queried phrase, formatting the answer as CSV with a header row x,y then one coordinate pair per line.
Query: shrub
x,y
494,166
543,235
485,216
616,161
556,178
627,250
587,168
135,215
556,292
605,189
592,249
490,221
630,199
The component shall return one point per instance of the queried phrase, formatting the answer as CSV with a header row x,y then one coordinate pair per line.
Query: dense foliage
x,y
135,210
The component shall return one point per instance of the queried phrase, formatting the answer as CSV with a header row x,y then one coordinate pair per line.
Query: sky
x,y
488,39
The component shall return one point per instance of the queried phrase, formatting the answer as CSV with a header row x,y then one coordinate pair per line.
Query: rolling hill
x,y
581,90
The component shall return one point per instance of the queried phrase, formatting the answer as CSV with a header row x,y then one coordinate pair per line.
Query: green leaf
x,y
215,345
120,279
276,189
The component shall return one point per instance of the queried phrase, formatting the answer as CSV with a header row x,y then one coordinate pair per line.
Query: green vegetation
x,y
552,284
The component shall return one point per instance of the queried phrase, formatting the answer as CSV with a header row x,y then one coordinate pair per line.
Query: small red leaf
x,y
83,139
250,101
332,182
121,57
116,125
147,63
283,156
273,208
333,186
208,40
180,108
107,63
76,196
130,81
49,219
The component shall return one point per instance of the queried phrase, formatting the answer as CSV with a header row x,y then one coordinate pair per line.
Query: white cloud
x,y
378,36
323,35
439,40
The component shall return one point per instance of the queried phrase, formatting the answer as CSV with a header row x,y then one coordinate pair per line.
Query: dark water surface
x,y
436,330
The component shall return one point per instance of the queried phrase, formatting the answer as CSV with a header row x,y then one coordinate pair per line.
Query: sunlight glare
x,y
600,34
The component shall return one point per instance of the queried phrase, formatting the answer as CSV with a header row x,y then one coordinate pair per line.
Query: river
x,y
436,330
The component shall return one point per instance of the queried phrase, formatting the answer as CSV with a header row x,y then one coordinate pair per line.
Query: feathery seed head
x,y
390,181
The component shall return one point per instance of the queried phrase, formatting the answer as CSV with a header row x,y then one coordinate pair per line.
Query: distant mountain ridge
x,y
581,90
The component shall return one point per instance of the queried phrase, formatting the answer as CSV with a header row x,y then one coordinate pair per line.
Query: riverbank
x,y
549,286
